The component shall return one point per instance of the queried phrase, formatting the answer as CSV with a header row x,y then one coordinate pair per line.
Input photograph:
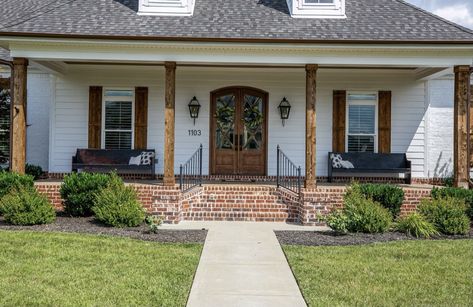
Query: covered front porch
x,y
359,98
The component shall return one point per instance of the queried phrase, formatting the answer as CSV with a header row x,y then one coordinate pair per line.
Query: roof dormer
x,y
317,8
166,7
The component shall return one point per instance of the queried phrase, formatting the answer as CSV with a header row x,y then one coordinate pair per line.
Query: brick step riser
x,y
251,204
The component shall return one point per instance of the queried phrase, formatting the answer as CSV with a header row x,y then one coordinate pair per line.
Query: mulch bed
x,y
329,238
90,226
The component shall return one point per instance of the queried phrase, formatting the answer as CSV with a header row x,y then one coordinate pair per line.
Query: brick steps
x,y
239,203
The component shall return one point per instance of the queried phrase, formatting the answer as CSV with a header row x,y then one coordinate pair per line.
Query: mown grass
x,y
408,273
54,269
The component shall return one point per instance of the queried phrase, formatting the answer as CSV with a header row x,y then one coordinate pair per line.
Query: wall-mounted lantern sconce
x,y
284,109
194,108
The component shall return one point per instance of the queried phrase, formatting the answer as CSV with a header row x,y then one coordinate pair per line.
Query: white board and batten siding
x,y
439,128
70,113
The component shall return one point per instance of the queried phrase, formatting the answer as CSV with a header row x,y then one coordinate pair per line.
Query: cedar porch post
x,y
310,142
18,116
460,124
169,123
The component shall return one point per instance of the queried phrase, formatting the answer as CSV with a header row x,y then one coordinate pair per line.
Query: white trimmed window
x,y
118,119
317,8
362,123
166,7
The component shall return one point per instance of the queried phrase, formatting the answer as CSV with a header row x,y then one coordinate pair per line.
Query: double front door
x,y
238,131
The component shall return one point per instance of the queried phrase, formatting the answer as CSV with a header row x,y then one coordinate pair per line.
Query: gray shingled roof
x,y
368,20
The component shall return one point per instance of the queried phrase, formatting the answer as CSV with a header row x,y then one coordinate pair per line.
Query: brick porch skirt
x,y
239,202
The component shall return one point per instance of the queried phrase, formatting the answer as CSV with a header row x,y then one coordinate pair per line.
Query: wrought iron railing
x,y
288,175
190,173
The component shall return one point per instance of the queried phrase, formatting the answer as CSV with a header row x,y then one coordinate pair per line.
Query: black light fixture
x,y
284,109
194,108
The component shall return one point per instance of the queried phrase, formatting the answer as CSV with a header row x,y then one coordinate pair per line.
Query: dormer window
x,y
317,8
166,7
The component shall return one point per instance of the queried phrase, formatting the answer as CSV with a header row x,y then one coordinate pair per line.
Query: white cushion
x,y
135,160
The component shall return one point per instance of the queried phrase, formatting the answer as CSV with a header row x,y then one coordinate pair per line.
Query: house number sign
x,y
195,132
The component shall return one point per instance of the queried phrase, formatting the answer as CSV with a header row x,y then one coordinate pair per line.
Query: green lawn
x,y
408,273
53,269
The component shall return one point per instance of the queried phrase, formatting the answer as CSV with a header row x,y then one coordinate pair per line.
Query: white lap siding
x,y
71,108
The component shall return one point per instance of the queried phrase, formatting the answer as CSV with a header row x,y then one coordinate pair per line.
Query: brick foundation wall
x,y
321,201
156,199
234,202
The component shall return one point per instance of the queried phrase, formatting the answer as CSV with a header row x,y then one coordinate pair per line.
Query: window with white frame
x,y
317,8
118,119
318,2
362,127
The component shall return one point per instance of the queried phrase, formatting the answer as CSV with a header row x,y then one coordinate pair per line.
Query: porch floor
x,y
325,185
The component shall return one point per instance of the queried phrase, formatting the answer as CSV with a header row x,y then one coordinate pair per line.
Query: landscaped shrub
x,y
447,215
34,170
26,206
337,221
464,194
388,195
416,225
117,205
364,214
9,181
153,222
78,192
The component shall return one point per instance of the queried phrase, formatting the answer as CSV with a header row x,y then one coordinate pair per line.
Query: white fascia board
x,y
240,53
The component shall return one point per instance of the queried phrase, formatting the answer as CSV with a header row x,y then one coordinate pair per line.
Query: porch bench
x,y
108,160
355,164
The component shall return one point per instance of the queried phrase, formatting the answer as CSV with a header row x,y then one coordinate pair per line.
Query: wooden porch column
x,y
460,124
169,123
310,142
18,116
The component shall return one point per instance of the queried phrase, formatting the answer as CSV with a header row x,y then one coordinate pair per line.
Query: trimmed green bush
x,y
464,194
416,225
364,214
117,205
34,170
388,195
337,221
446,214
153,222
25,206
9,181
78,192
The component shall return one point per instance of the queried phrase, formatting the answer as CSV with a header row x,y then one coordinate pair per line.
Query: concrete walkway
x,y
243,264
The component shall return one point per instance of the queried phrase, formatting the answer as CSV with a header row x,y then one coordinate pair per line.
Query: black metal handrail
x,y
288,175
190,173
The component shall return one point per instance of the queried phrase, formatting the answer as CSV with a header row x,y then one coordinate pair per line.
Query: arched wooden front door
x,y
238,137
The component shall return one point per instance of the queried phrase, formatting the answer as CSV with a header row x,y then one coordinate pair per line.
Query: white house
x,y
395,65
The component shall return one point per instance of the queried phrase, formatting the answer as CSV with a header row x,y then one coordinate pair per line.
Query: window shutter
x,y
339,118
384,122
95,116
141,118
